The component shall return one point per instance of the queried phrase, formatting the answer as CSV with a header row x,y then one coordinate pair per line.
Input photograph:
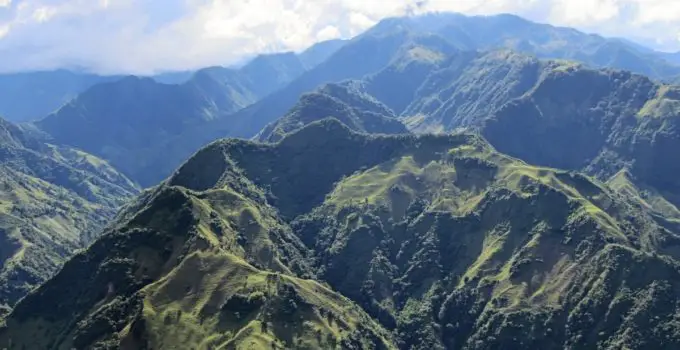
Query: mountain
x,y
269,73
468,87
617,120
146,129
345,102
360,57
439,238
394,59
319,52
132,122
173,77
673,57
628,185
398,56
467,248
482,33
193,263
33,95
396,84
54,200
561,115
121,121
29,96
554,113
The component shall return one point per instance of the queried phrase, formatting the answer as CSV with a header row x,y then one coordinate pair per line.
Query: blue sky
x,y
145,36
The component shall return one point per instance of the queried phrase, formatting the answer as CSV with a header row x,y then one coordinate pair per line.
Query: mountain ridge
x,y
358,111
441,239
402,53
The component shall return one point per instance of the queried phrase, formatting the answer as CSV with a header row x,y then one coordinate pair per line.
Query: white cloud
x,y
140,36
578,12
657,10
359,21
4,29
328,32
44,13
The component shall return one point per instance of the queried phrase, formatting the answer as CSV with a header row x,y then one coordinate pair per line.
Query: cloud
x,y
327,33
584,12
43,14
143,36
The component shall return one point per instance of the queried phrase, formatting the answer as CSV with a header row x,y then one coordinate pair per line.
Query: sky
x,y
150,36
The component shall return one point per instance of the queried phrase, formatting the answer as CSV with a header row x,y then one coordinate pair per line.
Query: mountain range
x,y
133,121
33,95
437,182
147,138
417,242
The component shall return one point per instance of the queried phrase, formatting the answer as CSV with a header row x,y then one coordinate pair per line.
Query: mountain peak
x,y
345,102
319,131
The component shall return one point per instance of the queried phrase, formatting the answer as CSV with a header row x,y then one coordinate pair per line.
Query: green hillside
x,y
596,121
438,238
197,265
555,113
345,102
53,201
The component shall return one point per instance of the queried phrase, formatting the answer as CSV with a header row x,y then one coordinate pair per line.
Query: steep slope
x,y
456,246
53,200
396,55
319,52
476,250
469,86
269,73
200,262
345,102
33,95
122,120
361,56
395,74
556,113
438,237
396,84
599,121
626,184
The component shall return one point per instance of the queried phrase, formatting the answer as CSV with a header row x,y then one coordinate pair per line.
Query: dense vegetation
x,y
440,239
53,200
556,113
345,102
198,264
